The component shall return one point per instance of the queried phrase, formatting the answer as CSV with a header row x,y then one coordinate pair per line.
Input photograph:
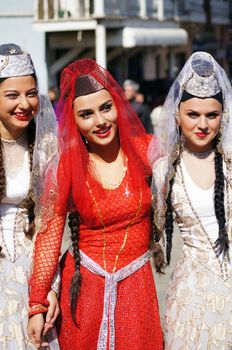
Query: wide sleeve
x,y
46,260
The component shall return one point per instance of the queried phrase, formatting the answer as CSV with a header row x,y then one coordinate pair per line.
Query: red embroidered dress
x,y
115,231
126,236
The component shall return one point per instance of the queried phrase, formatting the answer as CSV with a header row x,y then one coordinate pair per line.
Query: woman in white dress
x,y
192,182
19,105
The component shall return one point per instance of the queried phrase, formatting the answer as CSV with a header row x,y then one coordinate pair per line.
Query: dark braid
x,y
222,243
29,202
2,169
158,255
2,176
169,217
169,223
76,280
2,173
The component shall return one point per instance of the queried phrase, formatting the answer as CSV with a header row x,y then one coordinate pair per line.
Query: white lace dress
x,y
199,298
17,249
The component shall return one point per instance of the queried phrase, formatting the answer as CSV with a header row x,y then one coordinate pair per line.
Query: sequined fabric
x,y
107,329
137,324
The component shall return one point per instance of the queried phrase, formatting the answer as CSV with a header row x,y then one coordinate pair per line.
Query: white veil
x,y
201,76
45,160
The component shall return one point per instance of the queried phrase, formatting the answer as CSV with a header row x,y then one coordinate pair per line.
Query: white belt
x,y
110,295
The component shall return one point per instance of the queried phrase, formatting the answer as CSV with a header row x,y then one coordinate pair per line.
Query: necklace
x,y
114,185
104,228
108,185
14,141
200,155
202,226
13,256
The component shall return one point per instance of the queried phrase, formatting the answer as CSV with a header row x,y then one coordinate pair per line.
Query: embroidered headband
x,y
13,62
86,85
187,96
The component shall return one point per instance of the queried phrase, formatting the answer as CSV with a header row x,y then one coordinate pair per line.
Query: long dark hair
x,y
76,280
169,216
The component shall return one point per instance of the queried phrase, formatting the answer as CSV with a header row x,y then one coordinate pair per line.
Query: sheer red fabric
x,y
129,126
126,215
74,166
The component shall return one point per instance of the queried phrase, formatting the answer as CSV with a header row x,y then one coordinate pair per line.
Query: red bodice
x,y
120,224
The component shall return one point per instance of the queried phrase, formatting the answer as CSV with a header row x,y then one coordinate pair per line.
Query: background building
x,y
146,40
16,18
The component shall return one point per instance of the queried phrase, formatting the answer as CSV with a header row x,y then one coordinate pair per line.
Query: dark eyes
x,y
33,93
85,115
14,95
192,114
209,116
212,115
106,107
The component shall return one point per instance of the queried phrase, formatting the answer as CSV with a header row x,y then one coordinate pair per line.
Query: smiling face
x,y
200,120
96,117
18,105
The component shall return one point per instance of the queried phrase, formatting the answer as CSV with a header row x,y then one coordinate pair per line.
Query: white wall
x,y
16,26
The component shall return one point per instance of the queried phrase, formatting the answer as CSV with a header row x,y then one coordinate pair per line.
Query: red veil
x,y
69,182
131,131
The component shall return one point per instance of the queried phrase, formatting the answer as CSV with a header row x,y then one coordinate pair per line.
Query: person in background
x,y
192,184
131,89
27,122
139,98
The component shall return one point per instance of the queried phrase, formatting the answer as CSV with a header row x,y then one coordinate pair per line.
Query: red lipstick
x,y
103,133
22,116
201,134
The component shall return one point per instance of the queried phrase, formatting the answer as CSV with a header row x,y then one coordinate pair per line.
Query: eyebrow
x,y
13,90
88,110
193,110
10,90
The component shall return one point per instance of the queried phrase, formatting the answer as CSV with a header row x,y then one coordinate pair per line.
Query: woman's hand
x,y
35,329
53,311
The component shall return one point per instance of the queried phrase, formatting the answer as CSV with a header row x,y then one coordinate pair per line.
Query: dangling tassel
x,y
222,244
157,250
158,256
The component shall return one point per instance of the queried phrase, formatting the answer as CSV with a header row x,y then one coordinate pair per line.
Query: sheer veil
x,y
45,161
202,76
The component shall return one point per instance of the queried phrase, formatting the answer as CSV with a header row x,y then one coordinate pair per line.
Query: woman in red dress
x,y
108,298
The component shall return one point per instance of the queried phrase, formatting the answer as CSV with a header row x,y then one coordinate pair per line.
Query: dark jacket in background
x,y
143,112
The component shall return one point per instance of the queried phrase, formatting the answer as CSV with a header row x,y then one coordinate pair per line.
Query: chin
x,y
104,142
